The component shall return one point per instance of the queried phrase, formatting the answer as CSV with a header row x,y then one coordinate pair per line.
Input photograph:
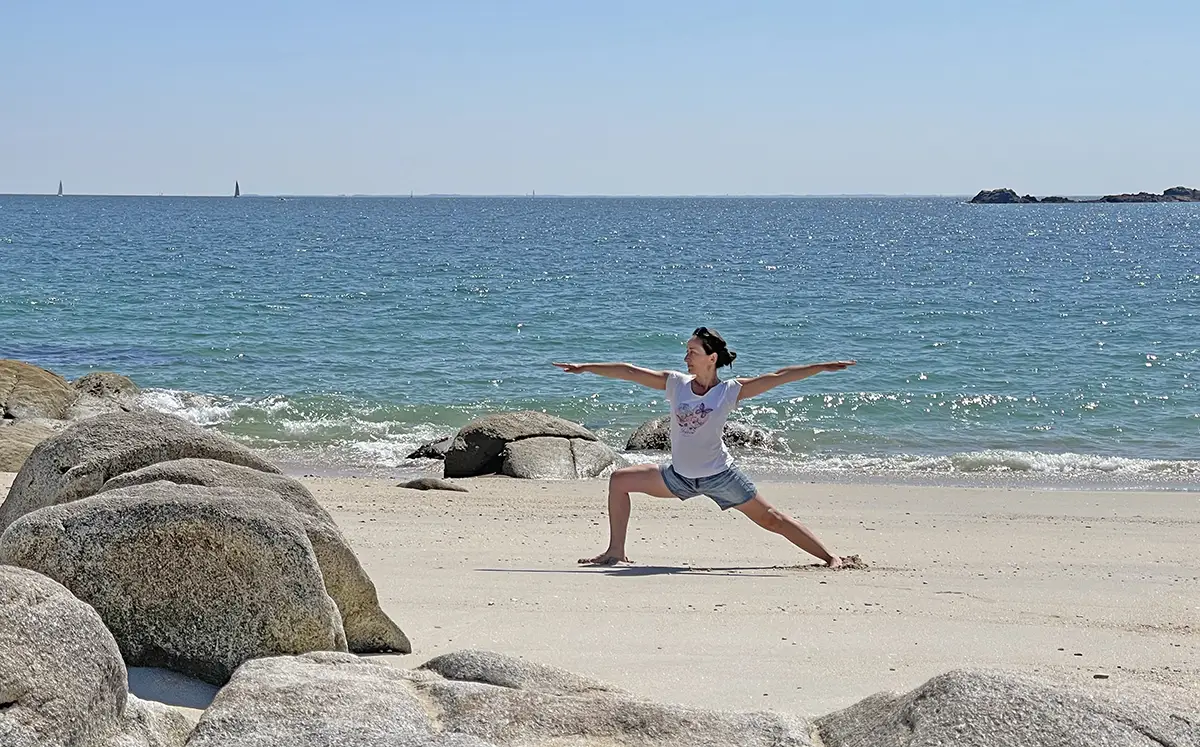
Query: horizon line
x,y
503,195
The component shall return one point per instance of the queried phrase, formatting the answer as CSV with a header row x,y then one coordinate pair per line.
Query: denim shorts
x,y
727,489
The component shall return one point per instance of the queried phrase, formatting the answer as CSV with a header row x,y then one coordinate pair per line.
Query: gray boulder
x,y
655,435
78,461
320,700
329,700
62,681
985,709
552,458
368,629
101,392
490,668
18,440
479,447
433,449
432,483
106,385
28,391
193,579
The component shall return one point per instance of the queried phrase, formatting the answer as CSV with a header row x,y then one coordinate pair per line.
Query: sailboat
x,y
237,189
60,188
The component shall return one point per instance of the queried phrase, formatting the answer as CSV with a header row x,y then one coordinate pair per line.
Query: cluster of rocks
x,y
69,688
1008,197
36,403
196,553
536,445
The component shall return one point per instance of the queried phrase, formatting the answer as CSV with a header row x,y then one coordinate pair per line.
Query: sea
x,y
995,344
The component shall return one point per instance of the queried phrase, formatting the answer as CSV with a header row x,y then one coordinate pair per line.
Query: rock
x,y
78,461
325,700
146,723
479,447
27,391
433,449
997,197
368,629
984,709
655,435
1057,200
1028,198
1183,194
61,677
101,392
1174,194
490,668
106,384
17,442
319,700
192,579
431,483
1133,197
552,458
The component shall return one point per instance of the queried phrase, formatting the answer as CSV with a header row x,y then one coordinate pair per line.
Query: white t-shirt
x,y
697,424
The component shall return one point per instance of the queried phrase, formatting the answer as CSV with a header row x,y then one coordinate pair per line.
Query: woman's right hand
x,y
573,367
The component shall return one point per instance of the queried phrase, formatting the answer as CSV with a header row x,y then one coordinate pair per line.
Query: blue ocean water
x,y
1046,340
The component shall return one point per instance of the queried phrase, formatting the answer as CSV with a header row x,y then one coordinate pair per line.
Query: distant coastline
x,y
1007,196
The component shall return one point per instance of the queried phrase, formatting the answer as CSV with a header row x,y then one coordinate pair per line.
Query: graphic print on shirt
x,y
690,418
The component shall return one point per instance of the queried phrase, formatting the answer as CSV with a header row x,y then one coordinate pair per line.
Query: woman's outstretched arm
x,y
627,371
756,385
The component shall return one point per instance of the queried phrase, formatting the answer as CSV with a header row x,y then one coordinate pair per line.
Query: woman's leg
x,y
773,520
640,478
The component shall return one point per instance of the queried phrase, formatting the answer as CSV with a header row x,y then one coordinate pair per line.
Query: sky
x,y
648,97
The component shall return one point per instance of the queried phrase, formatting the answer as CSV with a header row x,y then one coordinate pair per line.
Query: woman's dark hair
x,y
712,342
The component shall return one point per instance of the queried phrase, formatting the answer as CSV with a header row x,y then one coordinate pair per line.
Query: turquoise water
x,y
1044,340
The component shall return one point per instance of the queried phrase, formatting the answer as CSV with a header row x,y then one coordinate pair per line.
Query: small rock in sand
x,y
431,483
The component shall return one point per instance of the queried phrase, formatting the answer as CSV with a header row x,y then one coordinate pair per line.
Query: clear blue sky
x,y
613,97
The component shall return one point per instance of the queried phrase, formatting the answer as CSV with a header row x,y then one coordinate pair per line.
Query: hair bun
x,y
732,356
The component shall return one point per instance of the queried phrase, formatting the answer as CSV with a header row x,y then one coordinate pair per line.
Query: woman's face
x,y
697,360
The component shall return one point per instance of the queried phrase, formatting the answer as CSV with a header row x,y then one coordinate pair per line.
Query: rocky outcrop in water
x,y
1008,196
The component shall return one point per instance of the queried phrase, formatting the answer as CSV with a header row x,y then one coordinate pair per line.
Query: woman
x,y
700,463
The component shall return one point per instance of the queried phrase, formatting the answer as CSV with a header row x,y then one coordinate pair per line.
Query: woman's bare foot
x,y
607,558
833,563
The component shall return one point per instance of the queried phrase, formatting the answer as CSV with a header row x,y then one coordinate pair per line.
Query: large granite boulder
x,y
655,435
18,439
432,449
986,709
368,629
552,458
193,579
480,446
322,700
78,461
62,681
27,391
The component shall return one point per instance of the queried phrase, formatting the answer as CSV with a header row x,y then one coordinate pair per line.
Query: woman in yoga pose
x,y
700,463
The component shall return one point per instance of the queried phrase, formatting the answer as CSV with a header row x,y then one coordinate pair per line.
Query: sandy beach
x,y
717,613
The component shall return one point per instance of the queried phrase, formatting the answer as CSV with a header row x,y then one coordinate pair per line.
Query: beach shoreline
x,y
718,613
